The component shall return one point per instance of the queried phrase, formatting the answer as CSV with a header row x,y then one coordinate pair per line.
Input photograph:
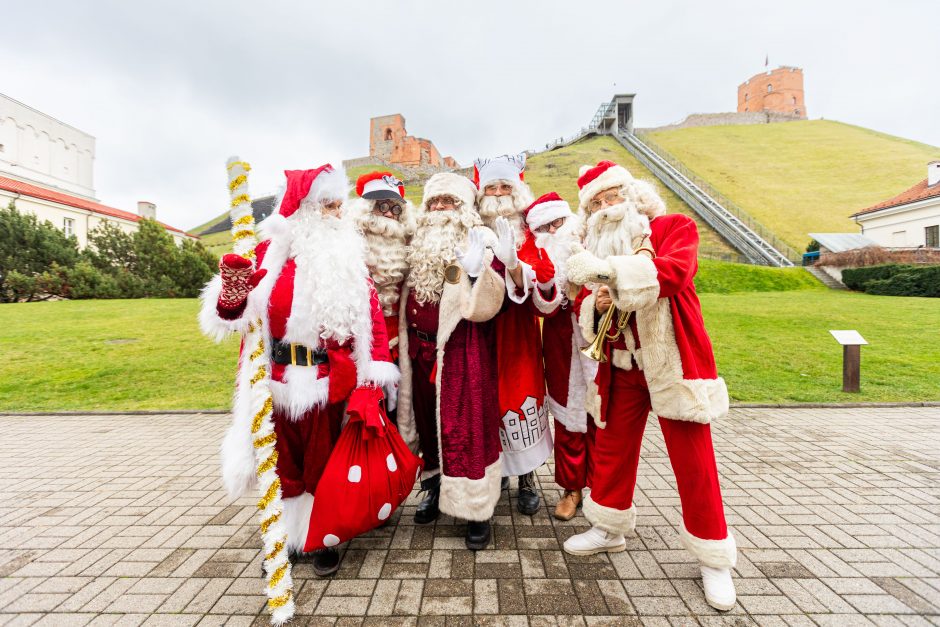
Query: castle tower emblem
x,y
520,431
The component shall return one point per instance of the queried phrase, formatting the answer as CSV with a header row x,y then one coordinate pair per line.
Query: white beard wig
x,y
511,207
386,249
616,230
558,247
432,249
331,290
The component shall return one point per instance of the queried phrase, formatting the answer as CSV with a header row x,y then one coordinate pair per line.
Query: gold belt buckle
x,y
293,354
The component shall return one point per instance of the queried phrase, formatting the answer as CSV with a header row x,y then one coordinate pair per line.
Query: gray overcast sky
x,y
172,88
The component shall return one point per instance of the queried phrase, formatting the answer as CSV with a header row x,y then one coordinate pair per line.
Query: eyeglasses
x,y
554,224
610,197
444,201
387,206
500,188
333,205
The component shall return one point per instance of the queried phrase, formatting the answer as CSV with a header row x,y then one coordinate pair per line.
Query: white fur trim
x,y
528,284
712,553
450,184
586,319
300,391
615,176
546,212
635,283
472,499
237,453
211,324
622,359
622,521
671,396
406,415
297,520
381,373
331,185
547,306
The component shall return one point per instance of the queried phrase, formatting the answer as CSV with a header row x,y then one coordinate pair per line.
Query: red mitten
x,y
544,268
237,280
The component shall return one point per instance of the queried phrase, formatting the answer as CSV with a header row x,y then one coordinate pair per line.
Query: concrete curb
x,y
223,412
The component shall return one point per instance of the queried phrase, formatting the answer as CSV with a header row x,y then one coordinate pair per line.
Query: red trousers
x,y
304,446
616,455
572,456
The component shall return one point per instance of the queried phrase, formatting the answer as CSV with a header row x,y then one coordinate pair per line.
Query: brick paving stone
x,y
834,511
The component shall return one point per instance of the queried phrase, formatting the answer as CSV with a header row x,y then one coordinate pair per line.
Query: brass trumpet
x,y
595,350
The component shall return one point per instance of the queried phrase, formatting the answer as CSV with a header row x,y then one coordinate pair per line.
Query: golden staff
x,y
279,585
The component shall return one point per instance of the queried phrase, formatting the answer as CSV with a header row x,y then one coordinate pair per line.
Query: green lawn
x,y
801,177
771,347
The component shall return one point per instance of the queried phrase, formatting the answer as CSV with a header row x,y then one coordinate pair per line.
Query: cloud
x,y
171,89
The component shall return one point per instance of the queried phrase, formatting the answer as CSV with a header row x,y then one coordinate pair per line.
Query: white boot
x,y
593,541
719,589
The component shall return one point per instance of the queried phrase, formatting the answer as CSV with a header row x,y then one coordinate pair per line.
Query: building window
x,y
794,99
746,97
388,134
770,88
68,227
933,236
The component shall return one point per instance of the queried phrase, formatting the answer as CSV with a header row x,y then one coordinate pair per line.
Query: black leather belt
x,y
296,354
427,337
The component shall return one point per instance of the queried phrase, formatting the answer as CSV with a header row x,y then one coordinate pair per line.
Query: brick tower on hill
x,y
780,91
389,141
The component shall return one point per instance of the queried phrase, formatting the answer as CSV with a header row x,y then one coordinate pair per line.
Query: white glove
x,y
391,395
584,267
472,259
505,249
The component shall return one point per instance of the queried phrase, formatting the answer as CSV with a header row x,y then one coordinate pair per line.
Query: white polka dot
x,y
330,540
385,511
355,474
390,462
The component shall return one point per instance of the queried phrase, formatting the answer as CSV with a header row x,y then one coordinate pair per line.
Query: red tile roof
x,y
27,189
918,192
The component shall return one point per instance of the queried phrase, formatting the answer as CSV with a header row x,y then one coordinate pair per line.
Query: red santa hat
x,y
503,168
545,209
604,175
323,183
379,185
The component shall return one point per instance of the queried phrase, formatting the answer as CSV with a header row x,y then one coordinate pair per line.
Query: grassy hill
x,y
798,177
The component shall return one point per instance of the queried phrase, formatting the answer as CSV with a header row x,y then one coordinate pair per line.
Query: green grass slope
x,y
557,171
148,354
717,277
800,177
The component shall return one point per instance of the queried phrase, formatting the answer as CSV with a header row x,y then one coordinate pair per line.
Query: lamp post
x,y
851,342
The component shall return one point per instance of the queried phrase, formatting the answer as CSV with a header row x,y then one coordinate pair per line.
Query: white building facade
x,y
909,220
47,169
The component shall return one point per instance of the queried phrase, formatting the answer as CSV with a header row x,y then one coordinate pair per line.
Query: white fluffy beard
x,y
558,247
386,257
613,231
509,207
331,291
432,250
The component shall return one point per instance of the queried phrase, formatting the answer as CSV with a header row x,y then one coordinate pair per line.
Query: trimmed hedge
x,y
894,279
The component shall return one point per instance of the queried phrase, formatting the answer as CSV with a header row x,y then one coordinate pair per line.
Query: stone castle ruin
x,y
391,145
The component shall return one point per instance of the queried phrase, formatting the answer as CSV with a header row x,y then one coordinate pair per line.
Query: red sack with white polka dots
x,y
369,473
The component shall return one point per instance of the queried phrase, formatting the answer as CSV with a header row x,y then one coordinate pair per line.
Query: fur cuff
x,y
472,499
297,520
586,319
519,294
549,305
211,324
611,520
692,400
711,553
380,373
635,285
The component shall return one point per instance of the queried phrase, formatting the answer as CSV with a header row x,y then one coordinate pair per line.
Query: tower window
x,y
770,88
388,134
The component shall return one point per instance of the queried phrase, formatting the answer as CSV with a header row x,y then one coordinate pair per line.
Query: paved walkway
x,y
122,521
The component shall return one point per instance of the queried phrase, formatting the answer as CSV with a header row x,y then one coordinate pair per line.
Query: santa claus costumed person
x,y
326,340
554,229
524,432
642,262
446,403
387,220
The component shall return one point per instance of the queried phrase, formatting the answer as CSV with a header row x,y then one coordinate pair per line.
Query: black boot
x,y
528,501
325,562
504,483
478,534
427,509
